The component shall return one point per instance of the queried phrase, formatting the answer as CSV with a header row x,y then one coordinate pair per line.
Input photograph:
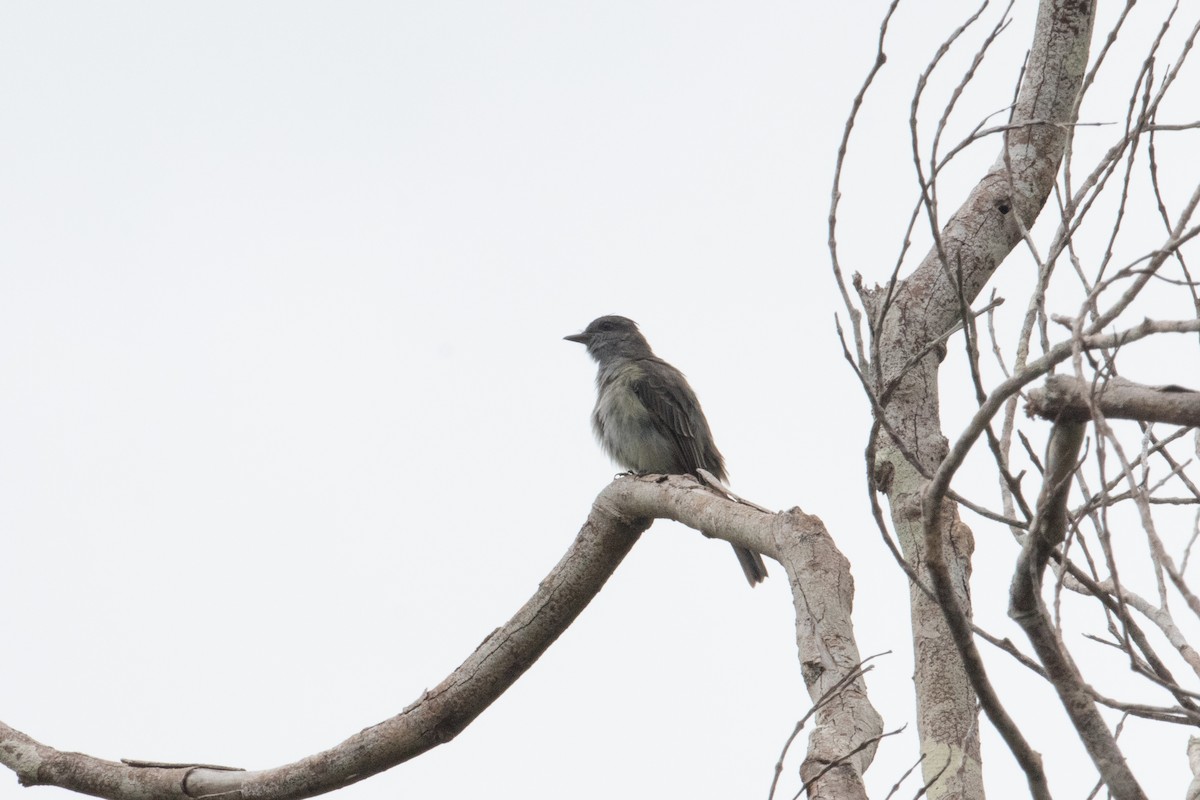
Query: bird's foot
x,y
641,473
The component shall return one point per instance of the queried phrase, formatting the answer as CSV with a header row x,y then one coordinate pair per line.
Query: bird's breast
x,y
628,432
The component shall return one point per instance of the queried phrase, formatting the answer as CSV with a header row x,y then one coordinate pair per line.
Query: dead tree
x,y
901,330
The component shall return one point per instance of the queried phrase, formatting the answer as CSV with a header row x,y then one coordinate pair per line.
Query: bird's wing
x,y
673,405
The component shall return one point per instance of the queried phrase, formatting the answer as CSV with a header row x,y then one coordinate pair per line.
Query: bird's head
x,y
611,337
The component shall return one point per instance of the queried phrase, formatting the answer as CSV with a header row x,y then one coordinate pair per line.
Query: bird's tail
x,y
752,564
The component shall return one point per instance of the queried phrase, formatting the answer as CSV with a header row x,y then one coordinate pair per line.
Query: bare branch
x,y
1028,610
819,576
435,718
1065,396
843,682
1193,756
836,193
1163,621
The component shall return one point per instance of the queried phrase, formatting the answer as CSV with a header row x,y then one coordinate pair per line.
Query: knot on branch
x,y
812,672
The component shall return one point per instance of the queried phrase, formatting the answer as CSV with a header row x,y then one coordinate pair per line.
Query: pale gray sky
x,y
288,424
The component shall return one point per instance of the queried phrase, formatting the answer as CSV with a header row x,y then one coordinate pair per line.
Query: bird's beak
x,y
582,338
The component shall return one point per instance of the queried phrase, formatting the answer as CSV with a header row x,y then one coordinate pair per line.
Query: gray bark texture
x,y
1067,398
904,322
841,745
1027,608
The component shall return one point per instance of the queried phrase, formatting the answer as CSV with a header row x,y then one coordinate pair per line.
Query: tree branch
x,y
967,250
823,592
435,718
1065,396
1029,611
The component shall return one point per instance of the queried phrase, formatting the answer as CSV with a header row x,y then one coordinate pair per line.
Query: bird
x,y
647,417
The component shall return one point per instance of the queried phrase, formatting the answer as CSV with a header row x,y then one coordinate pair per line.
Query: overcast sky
x,y
288,425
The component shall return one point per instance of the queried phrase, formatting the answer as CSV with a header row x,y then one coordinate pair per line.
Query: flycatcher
x,y
647,417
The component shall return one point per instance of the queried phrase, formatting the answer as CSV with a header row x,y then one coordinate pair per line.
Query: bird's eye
x,y
605,326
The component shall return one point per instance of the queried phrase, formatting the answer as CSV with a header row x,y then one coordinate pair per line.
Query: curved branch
x,y
1028,610
935,491
1035,369
983,231
819,577
436,717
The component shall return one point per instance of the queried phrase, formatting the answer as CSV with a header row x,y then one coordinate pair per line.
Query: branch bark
x,y
822,589
1027,608
1067,397
904,322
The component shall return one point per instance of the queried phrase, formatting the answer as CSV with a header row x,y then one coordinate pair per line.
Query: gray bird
x,y
647,418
